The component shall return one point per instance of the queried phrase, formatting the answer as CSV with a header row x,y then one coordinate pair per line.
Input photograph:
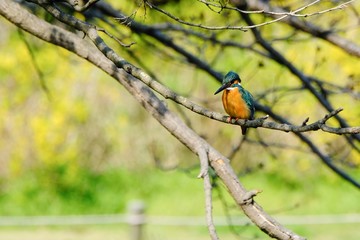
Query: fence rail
x,y
136,219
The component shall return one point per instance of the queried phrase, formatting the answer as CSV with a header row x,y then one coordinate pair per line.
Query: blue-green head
x,y
229,79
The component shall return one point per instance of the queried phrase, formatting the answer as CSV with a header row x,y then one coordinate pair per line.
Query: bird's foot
x,y
231,118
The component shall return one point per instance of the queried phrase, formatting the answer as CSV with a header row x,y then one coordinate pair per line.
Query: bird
x,y
237,102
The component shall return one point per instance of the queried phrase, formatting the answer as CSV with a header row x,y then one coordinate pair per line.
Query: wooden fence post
x,y
136,219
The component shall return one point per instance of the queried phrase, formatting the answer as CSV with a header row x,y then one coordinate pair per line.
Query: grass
x,y
175,193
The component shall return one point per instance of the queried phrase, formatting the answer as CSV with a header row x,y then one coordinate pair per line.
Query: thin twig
x,y
115,38
284,13
241,28
36,66
245,28
204,162
308,27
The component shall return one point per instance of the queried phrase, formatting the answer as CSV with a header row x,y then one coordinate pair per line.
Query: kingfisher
x,y
237,102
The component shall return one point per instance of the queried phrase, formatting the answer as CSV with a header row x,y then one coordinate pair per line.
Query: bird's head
x,y
229,79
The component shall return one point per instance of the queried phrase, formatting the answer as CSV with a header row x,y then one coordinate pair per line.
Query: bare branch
x,y
115,38
339,7
282,13
259,122
159,36
204,161
241,28
305,26
36,66
324,158
210,37
245,28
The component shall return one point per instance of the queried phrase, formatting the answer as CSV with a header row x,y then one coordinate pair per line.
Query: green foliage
x,y
50,191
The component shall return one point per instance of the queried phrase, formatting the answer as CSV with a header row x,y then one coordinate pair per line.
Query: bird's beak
x,y
221,88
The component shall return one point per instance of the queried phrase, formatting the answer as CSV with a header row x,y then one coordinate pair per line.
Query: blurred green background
x,y
86,147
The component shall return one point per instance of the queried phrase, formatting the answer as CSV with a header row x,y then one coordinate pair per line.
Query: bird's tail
x,y
243,130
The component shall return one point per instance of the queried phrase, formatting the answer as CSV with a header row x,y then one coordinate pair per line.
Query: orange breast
x,y
234,105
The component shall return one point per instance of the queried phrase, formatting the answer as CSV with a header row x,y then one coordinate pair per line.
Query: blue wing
x,y
249,100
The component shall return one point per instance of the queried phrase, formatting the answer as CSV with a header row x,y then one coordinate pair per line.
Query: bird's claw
x,y
231,118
